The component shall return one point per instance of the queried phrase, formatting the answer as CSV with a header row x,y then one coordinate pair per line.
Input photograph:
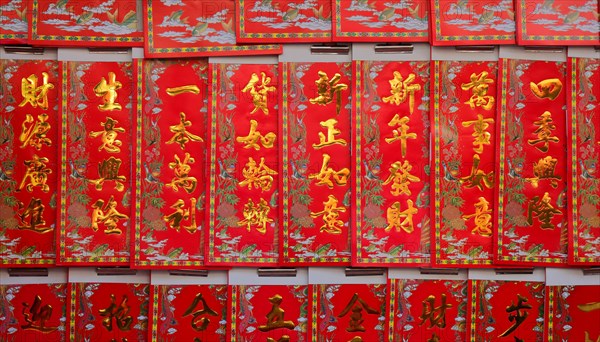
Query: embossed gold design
x,y
254,137
543,209
327,89
329,139
32,217
181,214
34,132
331,213
402,89
182,169
482,137
120,313
482,218
356,317
108,215
588,307
108,135
478,178
36,174
198,322
544,169
108,170
33,94
395,216
37,316
436,315
328,176
183,89
181,136
401,133
259,90
400,177
258,176
547,89
256,215
519,315
544,132
108,91
479,86
275,319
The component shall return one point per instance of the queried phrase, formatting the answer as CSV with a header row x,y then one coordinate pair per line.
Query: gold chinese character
x,y
402,89
37,316
434,338
183,89
256,216
108,92
588,339
544,132
588,307
182,169
435,314
35,133
544,169
261,176
482,137
109,136
482,218
356,317
395,216
478,178
401,133
330,214
181,136
34,95
275,318
108,170
36,174
546,89
199,323
254,136
325,175
119,313
108,215
543,209
518,317
259,92
331,133
181,213
283,338
479,85
327,89
32,217
401,178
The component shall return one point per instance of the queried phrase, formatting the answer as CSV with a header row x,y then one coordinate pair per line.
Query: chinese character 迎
x,y
33,94
402,89
254,136
35,134
327,89
119,313
259,92
37,316
108,135
324,177
401,133
479,85
329,139
401,178
356,317
181,136
108,91
330,213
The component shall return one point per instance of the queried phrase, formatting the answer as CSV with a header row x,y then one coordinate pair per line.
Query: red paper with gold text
x,y
97,123
84,23
463,121
421,309
584,146
28,162
186,312
243,220
532,164
316,167
573,313
170,170
392,215
14,21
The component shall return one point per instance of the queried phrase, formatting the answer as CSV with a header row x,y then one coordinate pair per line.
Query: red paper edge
x,y
207,222
354,155
281,234
138,93
433,150
570,171
547,311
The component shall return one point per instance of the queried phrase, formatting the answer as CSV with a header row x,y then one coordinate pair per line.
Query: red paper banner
x,y
381,20
13,21
427,310
84,23
316,162
472,22
97,117
506,310
532,164
243,220
28,162
573,313
392,215
584,147
170,169
195,28
561,22
293,21
186,312
464,112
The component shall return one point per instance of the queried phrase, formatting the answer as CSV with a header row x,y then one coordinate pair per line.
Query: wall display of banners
x,y
381,20
95,198
293,21
195,28
84,23
532,196
170,166
562,22
472,22
13,21
29,161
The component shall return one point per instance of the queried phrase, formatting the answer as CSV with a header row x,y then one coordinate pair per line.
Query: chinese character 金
x,y
119,313
256,215
435,314
108,215
35,212
356,317
275,318
325,175
108,136
401,133
482,137
546,89
181,214
182,169
400,177
33,94
395,215
516,314
330,213
37,316
479,85
259,91
34,132
544,132
199,323
254,137
402,89
482,218
181,136
543,209
260,176
36,174
329,139
327,89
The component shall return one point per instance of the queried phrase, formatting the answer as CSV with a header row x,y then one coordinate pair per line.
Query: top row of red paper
x,y
175,28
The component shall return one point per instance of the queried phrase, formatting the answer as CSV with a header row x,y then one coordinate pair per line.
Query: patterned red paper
x,y
562,22
584,147
97,123
13,18
421,310
171,145
84,23
381,20
177,28
293,21
28,162
392,215
506,310
269,312
316,162
532,164
108,311
464,112
186,312
243,220
472,22
573,313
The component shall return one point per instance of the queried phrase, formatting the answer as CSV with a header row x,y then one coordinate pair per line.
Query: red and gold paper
x,y
472,22
13,19
186,312
316,161
294,21
28,162
492,303
243,220
584,147
95,198
561,22
33,312
381,21
108,311
269,312
392,215
463,120
195,28
573,313
531,164
84,23
421,310
170,170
